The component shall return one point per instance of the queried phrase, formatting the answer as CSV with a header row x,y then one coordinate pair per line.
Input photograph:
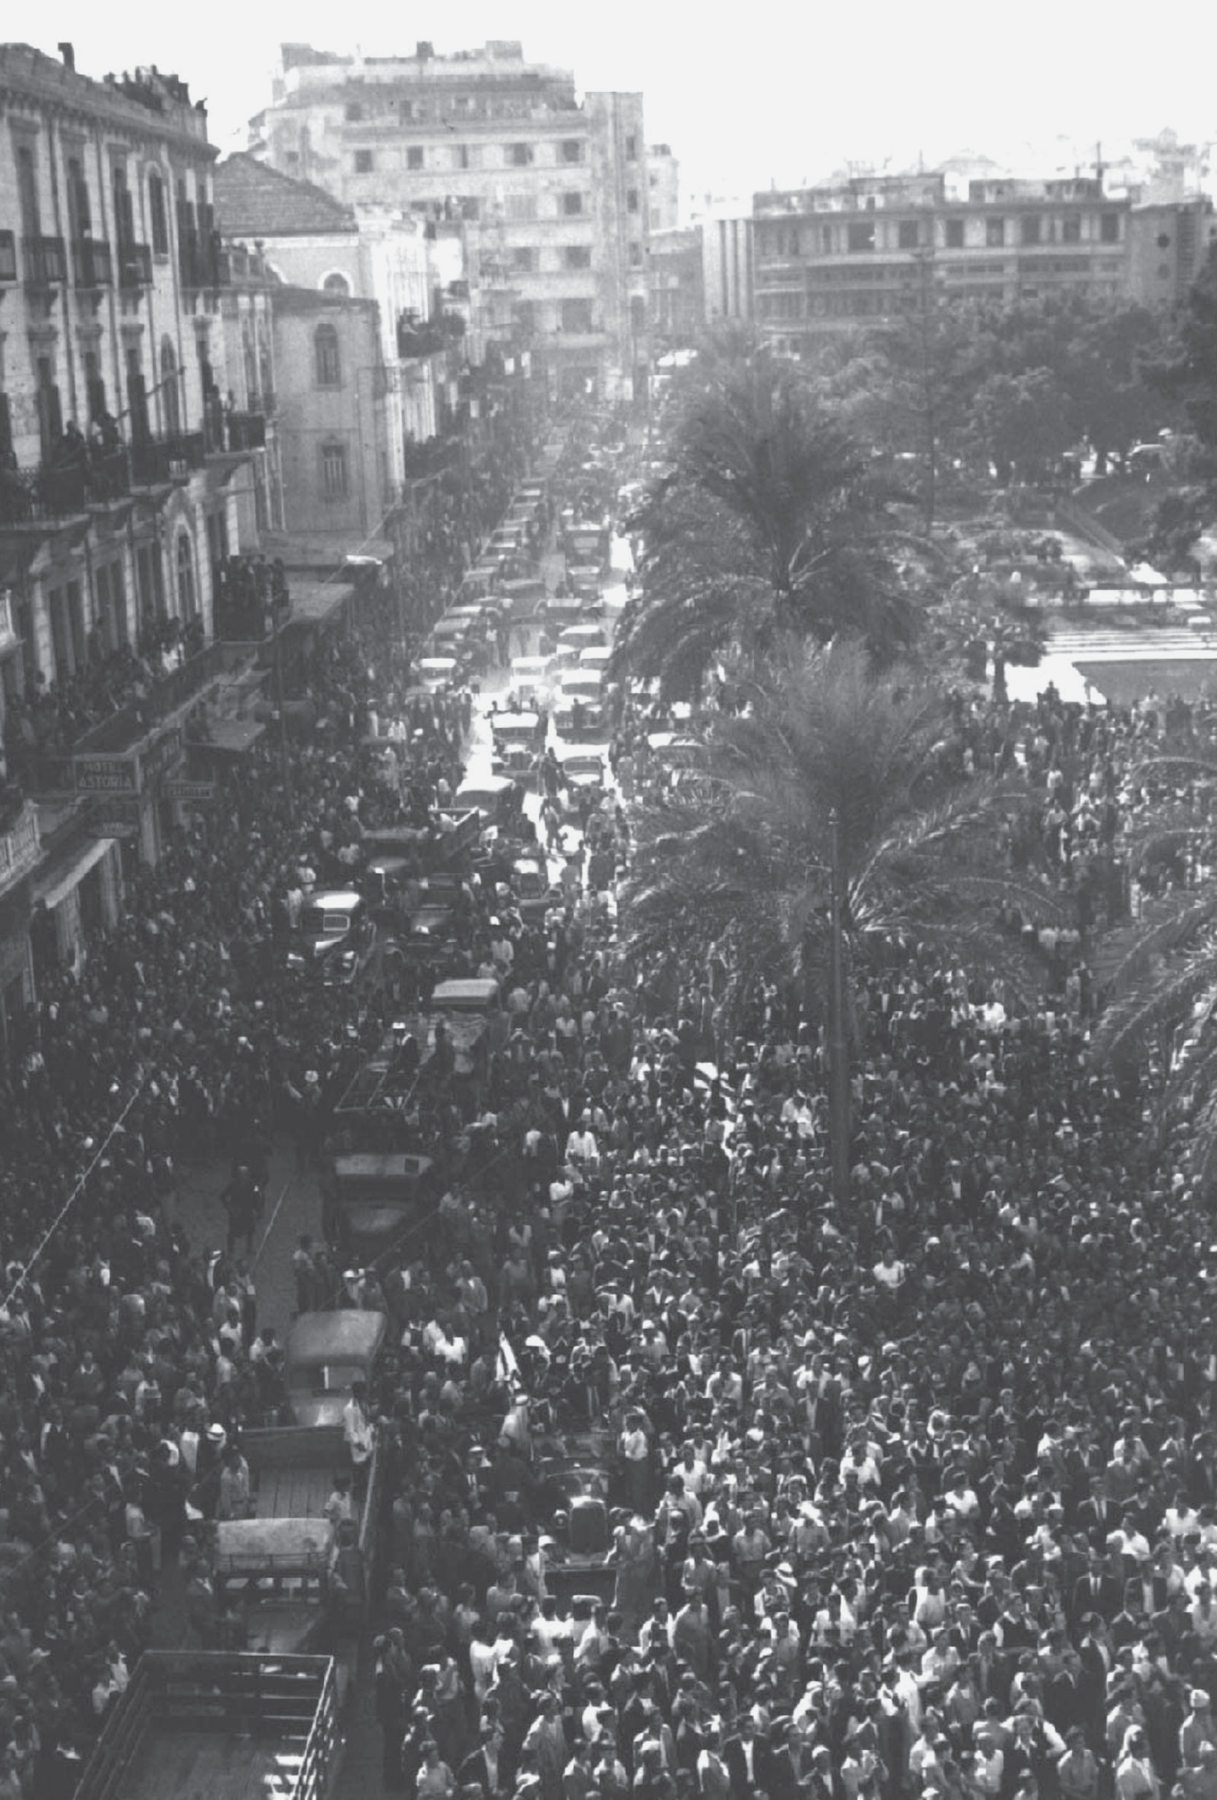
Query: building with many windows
x,y
835,258
554,189
120,480
410,265
331,415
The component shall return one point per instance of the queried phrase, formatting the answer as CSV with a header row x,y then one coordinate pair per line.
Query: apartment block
x,y
555,189
835,258
122,476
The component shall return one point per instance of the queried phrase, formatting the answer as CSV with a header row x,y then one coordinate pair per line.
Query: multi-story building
x,y
1168,244
727,264
678,300
119,483
411,266
557,188
831,259
663,187
331,415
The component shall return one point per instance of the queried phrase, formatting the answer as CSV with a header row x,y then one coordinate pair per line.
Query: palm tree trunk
x,y
838,1050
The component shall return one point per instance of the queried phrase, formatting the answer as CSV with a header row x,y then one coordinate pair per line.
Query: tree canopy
x,y
770,523
734,866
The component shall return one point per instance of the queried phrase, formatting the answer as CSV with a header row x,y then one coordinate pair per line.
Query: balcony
x,y
19,841
46,264
202,265
134,267
92,264
62,489
158,461
246,431
115,706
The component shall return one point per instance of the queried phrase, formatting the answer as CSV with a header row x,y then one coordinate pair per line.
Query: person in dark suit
x,y
1098,1591
743,1754
1097,1515
482,1767
787,1770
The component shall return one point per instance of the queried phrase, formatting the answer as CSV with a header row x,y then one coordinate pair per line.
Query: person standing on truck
x,y
360,1435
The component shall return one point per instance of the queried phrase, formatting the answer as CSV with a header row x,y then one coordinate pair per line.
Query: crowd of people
x,y
914,1498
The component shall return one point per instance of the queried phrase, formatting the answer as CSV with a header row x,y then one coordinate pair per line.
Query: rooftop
x,y
142,100
254,201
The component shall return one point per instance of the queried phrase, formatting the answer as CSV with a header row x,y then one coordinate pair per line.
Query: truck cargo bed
x,y
201,1765
214,1726
292,1468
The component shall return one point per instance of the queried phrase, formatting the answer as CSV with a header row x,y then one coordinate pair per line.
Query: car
x,y
333,935
582,773
577,638
497,798
580,709
516,742
585,582
438,672
560,611
532,678
475,995
529,877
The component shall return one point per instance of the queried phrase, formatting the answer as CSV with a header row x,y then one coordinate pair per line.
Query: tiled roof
x,y
254,201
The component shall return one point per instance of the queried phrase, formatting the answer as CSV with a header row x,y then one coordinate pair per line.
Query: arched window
x,y
188,604
171,396
337,283
327,361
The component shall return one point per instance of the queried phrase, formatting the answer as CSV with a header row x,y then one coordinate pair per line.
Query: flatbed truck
x,y
219,1725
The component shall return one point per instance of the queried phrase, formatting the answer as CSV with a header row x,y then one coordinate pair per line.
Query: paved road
x,y
293,1206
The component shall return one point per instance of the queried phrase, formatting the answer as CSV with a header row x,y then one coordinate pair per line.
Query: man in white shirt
x,y
359,1433
582,1149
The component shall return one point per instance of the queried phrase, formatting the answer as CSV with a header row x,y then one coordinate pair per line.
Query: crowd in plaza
x,y
917,1497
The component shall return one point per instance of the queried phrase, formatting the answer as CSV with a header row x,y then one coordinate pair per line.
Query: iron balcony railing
x,y
168,458
46,263
57,490
134,266
92,264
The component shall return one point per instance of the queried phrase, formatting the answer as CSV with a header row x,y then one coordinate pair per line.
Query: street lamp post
x,y
838,1051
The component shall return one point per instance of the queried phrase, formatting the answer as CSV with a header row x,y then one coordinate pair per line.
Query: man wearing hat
x,y
1197,1729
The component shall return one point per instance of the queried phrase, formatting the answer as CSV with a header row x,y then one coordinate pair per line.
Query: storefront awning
x,y
231,737
64,880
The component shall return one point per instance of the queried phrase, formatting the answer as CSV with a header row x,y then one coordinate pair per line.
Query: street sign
x,y
105,775
176,789
115,819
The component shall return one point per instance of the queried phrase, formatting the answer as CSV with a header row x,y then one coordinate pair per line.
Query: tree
x,y
1162,1018
832,768
907,386
1021,424
1188,376
769,523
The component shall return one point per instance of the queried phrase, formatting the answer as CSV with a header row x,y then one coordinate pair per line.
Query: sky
x,y
769,93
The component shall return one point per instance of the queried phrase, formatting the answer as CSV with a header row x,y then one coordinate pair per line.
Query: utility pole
x,y
838,1052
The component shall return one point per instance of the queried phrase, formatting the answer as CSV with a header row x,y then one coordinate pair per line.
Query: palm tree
x,y
1162,1014
769,523
836,784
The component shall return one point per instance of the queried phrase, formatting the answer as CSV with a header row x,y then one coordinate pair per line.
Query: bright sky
x,y
776,90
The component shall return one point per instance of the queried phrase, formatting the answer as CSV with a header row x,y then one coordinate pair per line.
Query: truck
x,y
372,1201
224,1724
296,1582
